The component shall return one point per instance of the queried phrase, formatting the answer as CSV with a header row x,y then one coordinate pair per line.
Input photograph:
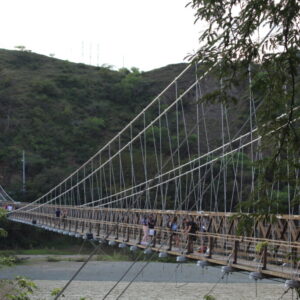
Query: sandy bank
x,y
94,290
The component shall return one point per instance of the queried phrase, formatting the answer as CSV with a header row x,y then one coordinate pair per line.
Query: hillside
x,y
61,113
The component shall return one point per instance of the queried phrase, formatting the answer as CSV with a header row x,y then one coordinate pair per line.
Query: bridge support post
x,y
82,227
294,257
235,251
117,231
170,241
127,234
140,235
76,226
135,232
264,257
98,229
154,239
159,235
70,225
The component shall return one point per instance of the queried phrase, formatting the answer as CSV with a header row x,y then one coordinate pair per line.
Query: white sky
x,y
146,34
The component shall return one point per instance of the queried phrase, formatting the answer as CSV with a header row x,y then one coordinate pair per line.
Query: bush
x,y
45,87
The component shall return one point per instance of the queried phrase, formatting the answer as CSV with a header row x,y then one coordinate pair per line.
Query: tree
x,y
20,288
265,35
3,232
20,47
130,86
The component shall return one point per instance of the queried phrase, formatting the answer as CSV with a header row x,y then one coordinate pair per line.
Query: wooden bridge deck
x,y
277,257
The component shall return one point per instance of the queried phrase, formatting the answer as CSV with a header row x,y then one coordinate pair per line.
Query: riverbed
x,y
156,281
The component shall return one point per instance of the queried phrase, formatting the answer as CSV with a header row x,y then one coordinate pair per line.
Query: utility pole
x,y
91,49
98,55
24,175
82,52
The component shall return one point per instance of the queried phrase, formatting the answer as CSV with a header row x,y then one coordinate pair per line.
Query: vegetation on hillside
x,y
60,113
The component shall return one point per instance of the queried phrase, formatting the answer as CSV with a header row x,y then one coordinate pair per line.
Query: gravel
x,y
157,281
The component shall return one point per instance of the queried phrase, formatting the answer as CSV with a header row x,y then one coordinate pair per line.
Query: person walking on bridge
x,y
57,214
191,228
64,217
144,222
173,227
151,232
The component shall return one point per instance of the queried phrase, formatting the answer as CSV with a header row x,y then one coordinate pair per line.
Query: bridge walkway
x,y
271,257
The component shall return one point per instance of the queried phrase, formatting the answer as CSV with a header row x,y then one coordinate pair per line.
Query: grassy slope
x,y
49,106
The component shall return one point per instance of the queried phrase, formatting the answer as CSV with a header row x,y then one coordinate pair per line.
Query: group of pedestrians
x,y
187,229
9,207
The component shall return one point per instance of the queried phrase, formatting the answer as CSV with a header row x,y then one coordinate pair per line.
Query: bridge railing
x,y
241,251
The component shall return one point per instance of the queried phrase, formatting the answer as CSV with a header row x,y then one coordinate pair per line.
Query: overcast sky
x,y
146,34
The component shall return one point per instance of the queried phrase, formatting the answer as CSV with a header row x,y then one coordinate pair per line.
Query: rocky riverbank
x,y
156,281
95,290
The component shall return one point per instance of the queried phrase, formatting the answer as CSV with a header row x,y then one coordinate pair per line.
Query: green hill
x,y
61,113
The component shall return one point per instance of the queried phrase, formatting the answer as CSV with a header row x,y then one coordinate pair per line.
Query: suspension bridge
x,y
180,160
